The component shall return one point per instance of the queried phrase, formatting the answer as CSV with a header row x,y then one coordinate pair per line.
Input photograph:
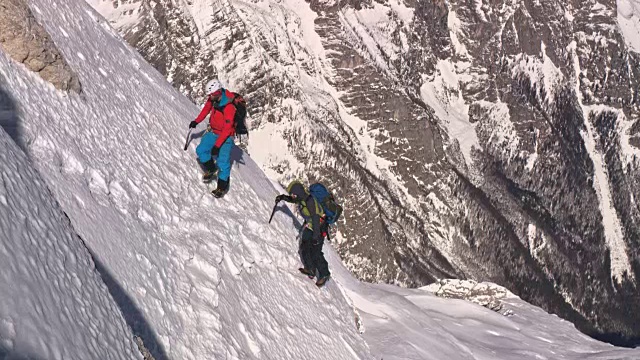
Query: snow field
x,y
53,304
413,324
397,328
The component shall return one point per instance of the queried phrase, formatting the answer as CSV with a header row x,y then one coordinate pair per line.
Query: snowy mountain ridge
x,y
472,138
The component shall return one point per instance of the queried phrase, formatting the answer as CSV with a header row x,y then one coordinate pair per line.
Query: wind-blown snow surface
x,y
53,304
397,323
211,277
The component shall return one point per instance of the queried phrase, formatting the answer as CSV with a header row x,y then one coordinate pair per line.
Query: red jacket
x,y
221,121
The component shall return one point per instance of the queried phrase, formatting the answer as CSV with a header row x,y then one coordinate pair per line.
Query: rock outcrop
x,y
27,42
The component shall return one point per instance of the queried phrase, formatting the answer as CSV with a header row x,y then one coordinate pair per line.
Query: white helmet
x,y
213,86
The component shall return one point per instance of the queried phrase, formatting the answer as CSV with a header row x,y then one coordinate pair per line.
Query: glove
x,y
215,151
280,198
193,124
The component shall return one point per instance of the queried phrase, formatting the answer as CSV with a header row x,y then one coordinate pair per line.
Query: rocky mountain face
x,y
26,41
488,140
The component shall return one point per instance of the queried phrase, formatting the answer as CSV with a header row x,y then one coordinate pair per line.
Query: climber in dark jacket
x,y
312,235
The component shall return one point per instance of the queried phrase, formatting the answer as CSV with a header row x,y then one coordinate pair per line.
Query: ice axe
x,y
186,144
274,210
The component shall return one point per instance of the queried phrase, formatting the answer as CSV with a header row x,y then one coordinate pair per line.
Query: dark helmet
x,y
297,189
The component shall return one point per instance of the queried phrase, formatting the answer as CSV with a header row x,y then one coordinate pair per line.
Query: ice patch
x,y
374,25
497,123
71,164
531,161
97,182
536,240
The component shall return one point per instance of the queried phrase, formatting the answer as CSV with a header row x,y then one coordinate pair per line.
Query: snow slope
x,y
404,110
210,277
53,304
414,324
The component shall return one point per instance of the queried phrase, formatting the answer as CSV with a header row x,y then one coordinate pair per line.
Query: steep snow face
x,y
306,125
53,304
456,144
40,315
198,278
204,278
443,95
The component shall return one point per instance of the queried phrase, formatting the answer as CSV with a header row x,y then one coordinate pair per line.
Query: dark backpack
x,y
239,119
332,209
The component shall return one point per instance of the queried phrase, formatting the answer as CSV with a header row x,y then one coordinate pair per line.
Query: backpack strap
x,y
318,207
237,98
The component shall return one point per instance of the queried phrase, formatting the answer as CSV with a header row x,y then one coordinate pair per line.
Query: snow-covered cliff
x,y
486,140
191,276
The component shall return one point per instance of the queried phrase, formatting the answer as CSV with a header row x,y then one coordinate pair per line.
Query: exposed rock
x,y
27,42
146,354
484,294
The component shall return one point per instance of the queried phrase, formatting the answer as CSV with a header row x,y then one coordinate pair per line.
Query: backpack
x,y
239,120
332,210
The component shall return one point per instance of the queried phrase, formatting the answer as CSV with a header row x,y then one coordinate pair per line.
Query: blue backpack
x,y
332,210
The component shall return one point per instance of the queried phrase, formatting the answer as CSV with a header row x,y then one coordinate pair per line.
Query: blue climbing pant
x,y
224,157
